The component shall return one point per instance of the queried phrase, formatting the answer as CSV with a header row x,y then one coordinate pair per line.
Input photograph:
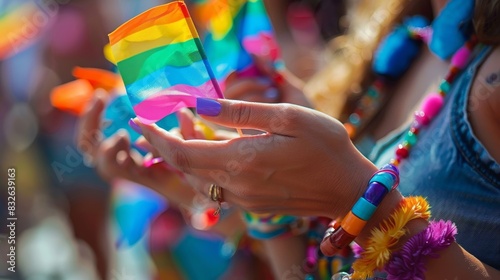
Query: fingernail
x,y
134,126
208,107
153,161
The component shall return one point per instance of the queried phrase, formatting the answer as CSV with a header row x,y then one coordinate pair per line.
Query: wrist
x,y
356,183
381,184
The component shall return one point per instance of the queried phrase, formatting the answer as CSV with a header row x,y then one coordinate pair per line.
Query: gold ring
x,y
215,193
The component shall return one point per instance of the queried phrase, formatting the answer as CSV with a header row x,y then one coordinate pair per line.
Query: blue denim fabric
x,y
451,167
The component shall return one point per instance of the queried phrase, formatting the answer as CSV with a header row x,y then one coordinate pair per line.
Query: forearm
x,y
286,255
456,263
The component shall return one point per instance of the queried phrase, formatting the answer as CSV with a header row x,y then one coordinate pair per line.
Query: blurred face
x,y
437,5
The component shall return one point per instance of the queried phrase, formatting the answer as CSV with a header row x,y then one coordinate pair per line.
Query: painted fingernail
x,y
134,126
153,161
208,107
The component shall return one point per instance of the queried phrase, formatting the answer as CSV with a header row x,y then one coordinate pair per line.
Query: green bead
x,y
372,92
444,86
411,138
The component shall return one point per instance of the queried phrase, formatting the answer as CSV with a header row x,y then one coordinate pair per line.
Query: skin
x,y
113,158
302,148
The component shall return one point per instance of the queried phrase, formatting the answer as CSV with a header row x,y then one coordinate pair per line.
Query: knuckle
x,y
291,114
286,117
240,113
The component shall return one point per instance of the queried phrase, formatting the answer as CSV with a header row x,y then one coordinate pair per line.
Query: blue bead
x,y
451,28
363,209
354,119
390,167
395,53
375,193
385,179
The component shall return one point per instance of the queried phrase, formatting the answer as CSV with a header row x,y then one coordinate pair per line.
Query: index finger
x,y
192,155
88,132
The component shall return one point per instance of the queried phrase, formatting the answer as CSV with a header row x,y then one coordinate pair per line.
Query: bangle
x,y
408,263
340,235
378,249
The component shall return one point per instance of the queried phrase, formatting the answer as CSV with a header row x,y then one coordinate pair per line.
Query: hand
x,y
114,158
304,163
272,87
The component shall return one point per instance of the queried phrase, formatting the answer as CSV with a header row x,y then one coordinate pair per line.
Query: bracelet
x,y
268,226
378,249
340,235
408,263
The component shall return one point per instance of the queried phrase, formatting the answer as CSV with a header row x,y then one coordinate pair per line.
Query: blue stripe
x,y
255,24
194,75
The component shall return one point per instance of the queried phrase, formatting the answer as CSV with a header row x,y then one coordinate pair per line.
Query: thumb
x,y
280,119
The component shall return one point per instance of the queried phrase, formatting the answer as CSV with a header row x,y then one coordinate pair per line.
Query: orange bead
x,y
351,130
352,224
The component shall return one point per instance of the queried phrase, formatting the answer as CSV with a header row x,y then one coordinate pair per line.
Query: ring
x,y
215,193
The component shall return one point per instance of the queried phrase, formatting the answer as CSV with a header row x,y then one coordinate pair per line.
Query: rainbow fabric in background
x,y
162,62
18,26
237,29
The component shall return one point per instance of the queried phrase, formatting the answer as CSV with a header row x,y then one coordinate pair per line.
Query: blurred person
x,y
327,177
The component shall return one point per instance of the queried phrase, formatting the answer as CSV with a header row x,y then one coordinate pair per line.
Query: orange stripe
x,y
164,14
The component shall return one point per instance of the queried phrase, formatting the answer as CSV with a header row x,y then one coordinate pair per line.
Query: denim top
x,y
454,171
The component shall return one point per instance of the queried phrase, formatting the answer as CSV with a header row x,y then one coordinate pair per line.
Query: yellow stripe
x,y
152,37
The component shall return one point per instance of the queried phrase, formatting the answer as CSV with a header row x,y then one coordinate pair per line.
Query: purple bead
x,y
375,193
390,167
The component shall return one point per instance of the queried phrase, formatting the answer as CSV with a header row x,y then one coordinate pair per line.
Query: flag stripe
x,y
175,55
160,15
150,38
194,75
171,100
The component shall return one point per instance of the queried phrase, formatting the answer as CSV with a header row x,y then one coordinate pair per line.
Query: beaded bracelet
x,y
270,226
408,263
340,235
379,246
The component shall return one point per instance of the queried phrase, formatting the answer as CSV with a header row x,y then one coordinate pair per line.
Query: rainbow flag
x,y
162,62
235,30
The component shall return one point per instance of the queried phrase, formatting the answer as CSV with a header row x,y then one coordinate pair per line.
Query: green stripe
x,y
176,55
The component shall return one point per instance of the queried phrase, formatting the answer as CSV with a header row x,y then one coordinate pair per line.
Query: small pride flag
x,y
237,29
162,62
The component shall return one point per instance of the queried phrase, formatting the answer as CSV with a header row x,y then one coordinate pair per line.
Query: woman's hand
x,y
304,163
113,157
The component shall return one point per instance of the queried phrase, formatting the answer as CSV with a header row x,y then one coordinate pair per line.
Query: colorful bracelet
x,y
379,246
408,263
340,235
268,226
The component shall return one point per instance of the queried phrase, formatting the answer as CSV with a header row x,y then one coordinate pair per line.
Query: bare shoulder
x,y
485,93
484,104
